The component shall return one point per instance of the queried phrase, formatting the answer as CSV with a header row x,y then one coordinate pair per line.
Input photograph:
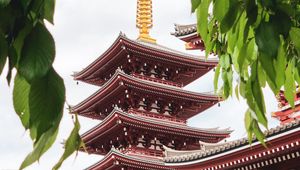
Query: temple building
x,y
143,109
286,113
189,34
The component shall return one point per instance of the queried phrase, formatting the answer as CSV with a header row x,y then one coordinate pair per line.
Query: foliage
x,y
39,92
72,143
260,41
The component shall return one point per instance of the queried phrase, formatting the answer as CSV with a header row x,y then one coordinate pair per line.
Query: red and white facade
x,y
282,153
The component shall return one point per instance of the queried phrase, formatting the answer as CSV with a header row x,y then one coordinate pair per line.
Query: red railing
x,y
157,80
157,116
144,151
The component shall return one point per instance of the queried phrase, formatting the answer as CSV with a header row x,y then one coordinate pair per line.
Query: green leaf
x,y
4,3
46,101
295,37
227,80
243,30
267,39
248,125
40,147
20,99
210,43
242,89
231,16
258,98
281,63
7,18
237,92
202,19
72,144
195,4
49,10
289,85
259,134
281,22
261,76
251,50
225,61
260,103
252,12
267,64
242,57
38,53
216,77
248,120
3,52
19,41
221,8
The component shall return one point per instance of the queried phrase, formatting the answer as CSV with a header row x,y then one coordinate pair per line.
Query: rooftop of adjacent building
x,y
209,150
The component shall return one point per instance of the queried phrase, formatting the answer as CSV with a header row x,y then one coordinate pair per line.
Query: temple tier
x,y
148,61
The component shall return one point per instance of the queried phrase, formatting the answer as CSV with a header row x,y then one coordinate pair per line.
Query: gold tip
x,y
144,20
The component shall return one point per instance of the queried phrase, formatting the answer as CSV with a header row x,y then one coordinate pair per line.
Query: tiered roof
x,y
107,96
190,66
113,126
141,101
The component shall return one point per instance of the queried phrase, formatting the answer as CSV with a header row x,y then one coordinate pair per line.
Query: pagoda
x,y
141,102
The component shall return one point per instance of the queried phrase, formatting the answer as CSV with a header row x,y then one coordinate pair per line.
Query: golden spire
x,y
144,20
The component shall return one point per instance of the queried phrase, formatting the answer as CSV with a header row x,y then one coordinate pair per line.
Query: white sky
x,y
84,30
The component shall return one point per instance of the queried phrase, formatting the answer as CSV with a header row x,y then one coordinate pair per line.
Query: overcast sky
x,y
84,30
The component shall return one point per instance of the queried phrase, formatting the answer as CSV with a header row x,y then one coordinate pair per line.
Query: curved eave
x,y
286,112
154,51
184,30
100,61
189,37
115,159
113,83
119,117
120,79
238,147
170,54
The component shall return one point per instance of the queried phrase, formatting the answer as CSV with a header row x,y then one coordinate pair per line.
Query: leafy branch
x,y
38,92
260,42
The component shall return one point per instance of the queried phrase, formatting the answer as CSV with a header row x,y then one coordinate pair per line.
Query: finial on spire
x,y
144,20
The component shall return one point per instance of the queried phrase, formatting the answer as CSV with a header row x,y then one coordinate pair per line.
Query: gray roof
x,y
208,150
182,30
